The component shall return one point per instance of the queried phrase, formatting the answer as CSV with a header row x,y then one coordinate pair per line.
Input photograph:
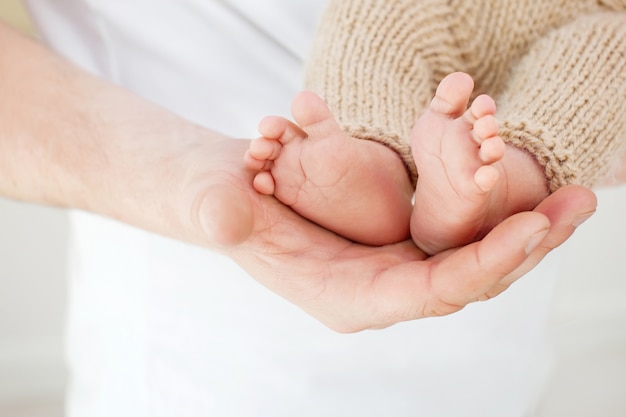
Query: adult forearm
x,y
70,139
34,117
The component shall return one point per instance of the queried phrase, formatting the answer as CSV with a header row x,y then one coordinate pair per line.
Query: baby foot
x,y
357,188
457,153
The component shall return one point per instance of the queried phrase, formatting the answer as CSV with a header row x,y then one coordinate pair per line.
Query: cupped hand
x,y
82,143
351,287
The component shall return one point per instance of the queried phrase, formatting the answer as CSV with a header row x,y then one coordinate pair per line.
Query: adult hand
x,y
352,287
72,140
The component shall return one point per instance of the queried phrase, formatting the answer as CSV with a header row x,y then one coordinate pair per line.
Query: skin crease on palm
x,y
73,140
353,287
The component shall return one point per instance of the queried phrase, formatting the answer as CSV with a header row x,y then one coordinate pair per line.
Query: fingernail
x,y
580,219
535,240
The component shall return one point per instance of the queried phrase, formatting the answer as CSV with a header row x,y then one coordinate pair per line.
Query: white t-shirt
x,y
162,328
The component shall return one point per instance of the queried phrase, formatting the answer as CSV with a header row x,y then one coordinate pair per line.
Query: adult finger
x,y
567,208
469,273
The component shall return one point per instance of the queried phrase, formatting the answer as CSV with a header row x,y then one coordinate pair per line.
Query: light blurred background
x,y
588,328
33,244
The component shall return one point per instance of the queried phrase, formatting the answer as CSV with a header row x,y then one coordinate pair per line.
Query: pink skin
x,y
360,189
453,148
466,171
338,182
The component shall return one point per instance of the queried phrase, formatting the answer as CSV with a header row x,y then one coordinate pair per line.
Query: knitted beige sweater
x,y
557,69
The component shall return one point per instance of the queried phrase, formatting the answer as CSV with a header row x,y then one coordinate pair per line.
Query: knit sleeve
x,y
565,102
377,63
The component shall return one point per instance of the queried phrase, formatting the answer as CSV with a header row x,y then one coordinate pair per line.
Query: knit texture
x,y
565,102
377,64
614,4
492,35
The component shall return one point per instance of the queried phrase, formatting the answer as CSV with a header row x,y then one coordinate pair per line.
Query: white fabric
x,y
161,328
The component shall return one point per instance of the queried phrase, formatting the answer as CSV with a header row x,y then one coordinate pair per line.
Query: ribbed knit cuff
x,y
566,101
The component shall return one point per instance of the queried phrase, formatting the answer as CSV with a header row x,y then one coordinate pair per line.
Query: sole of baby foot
x,y
457,151
356,188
